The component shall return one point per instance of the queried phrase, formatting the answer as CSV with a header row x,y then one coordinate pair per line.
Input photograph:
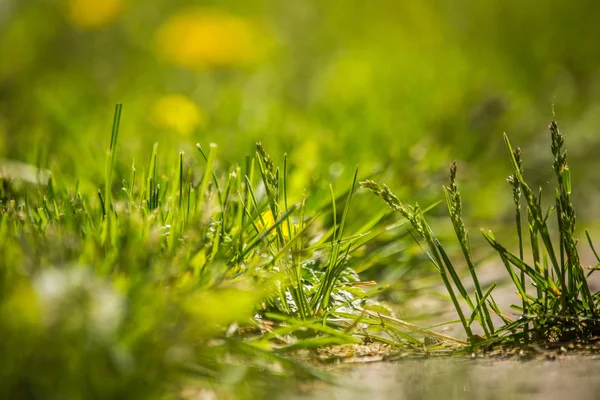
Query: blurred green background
x,y
396,86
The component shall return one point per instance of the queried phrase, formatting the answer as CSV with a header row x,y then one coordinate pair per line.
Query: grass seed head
x,y
514,180
271,175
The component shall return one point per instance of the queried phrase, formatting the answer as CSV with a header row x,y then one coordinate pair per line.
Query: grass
x,y
557,304
183,274
178,271
139,270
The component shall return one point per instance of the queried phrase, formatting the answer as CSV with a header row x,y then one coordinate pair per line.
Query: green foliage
x,y
563,308
220,262
176,272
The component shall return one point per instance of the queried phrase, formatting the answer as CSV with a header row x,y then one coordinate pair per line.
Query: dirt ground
x,y
553,374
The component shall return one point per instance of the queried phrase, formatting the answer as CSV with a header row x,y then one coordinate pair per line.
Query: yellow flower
x,y
269,221
93,14
202,37
176,112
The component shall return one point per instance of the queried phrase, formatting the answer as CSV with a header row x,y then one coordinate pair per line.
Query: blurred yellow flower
x,y
202,37
267,218
176,112
93,14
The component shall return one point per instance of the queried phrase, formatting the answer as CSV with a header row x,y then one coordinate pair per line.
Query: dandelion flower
x,y
267,218
201,37
93,14
178,113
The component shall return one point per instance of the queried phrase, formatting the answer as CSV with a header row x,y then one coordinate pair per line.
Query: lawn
x,y
187,188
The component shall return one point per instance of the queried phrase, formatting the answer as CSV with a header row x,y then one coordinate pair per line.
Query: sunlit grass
x,y
172,270
130,269
557,303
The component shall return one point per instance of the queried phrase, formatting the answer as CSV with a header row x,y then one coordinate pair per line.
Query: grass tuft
x,y
561,307
185,269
